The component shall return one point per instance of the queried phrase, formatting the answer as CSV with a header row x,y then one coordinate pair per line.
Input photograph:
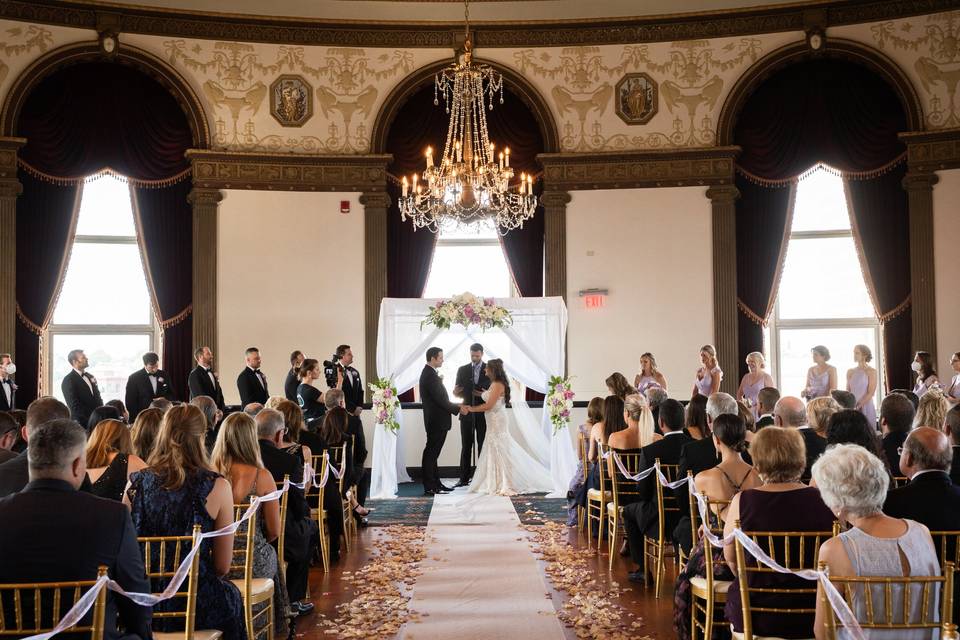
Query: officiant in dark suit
x,y
202,380
252,382
471,383
80,391
146,385
437,413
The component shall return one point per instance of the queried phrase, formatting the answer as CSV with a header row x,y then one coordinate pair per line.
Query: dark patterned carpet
x,y
537,509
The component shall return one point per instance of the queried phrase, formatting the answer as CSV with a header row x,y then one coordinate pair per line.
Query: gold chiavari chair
x,y
255,591
880,615
584,465
709,591
623,491
655,549
315,499
795,550
899,481
694,525
597,500
282,538
23,612
162,556
337,455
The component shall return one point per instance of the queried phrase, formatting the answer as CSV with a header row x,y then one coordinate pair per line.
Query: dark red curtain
x,y
87,117
824,110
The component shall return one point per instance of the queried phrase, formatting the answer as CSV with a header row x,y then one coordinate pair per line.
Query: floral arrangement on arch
x,y
386,403
468,310
559,401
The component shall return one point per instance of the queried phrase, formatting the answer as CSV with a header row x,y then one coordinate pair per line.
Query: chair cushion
x,y
611,508
738,635
720,587
596,496
260,588
198,634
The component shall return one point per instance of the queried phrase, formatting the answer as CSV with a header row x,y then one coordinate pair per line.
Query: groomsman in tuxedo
x,y
471,383
147,384
202,380
252,382
8,399
352,385
80,391
437,413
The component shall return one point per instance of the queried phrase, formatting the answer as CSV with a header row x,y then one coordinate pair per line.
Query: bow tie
x,y
6,381
208,370
152,375
257,371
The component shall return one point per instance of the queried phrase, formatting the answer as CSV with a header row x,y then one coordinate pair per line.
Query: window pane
x,y
105,284
821,204
112,359
481,270
795,358
822,279
106,209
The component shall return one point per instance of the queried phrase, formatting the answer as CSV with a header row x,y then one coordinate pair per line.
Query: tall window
x,y
823,298
104,305
469,258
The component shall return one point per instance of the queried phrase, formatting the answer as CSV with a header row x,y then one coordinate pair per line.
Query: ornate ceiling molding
x,y
531,34
932,151
286,172
632,169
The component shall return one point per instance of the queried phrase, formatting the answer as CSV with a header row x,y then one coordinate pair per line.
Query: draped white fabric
x,y
533,349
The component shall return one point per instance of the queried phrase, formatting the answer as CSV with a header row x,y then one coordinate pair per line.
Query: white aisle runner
x,y
480,580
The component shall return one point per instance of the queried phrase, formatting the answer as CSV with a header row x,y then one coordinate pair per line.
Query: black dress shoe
x,y
301,608
636,576
444,489
462,483
429,492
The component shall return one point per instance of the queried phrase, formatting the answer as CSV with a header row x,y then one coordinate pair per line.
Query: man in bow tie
x,y
146,385
203,381
8,397
252,382
80,391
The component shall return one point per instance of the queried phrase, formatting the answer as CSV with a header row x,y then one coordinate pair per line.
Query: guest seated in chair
x,y
599,435
850,427
951,426
853,485
110,459
896,420
930,497
782,503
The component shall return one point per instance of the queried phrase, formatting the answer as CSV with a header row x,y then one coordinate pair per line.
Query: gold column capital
x,y
723,194
202,196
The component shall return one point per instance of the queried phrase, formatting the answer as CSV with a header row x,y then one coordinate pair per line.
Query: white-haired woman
x,y
853,484
753,380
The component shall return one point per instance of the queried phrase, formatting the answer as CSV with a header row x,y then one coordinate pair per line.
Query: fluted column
x,y
919,188
10,188
555,242
724,221
375,206
205,206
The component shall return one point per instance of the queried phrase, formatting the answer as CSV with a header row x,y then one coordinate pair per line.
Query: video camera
x,y
330,370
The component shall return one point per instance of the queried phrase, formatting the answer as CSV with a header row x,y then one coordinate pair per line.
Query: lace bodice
x,y
498,406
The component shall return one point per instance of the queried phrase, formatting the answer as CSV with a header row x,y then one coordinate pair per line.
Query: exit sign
x,y
594,300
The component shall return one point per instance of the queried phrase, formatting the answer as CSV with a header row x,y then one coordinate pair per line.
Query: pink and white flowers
x,y
559,401
386,403
468,310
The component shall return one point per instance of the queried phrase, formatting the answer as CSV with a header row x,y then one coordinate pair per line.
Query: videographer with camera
x,y
340,374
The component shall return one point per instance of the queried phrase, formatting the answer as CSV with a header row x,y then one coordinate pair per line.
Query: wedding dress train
x,y
504,467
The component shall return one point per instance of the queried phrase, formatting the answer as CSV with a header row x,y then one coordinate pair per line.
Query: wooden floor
x,y
329,590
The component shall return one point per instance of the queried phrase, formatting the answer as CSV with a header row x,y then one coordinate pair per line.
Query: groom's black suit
x,y
437,415
472,422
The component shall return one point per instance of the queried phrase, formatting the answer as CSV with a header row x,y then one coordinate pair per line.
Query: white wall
x,y
946,245
290,274
652,249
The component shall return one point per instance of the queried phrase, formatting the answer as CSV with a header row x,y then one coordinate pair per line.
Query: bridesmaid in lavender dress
x,y
862,383
926,375
755,379
709,374
953,391
649,375
821,377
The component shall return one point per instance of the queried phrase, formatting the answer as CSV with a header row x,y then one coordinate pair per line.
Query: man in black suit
x,y
292,380
352,385
252,382
471,381
790,412
930,497
896,420
101,532
202,380
14,473
766,401
437,413
640,518
334,398
952,428
8,397
300,528
80,391
147,384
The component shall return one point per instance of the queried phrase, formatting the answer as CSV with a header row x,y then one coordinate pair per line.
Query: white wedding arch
x,y
532,348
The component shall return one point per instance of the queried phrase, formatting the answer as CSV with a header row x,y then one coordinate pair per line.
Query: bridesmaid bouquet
x,y
386,403
559,401
468,310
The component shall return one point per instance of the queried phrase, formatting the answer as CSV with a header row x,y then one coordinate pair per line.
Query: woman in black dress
x,y
309,397
110,459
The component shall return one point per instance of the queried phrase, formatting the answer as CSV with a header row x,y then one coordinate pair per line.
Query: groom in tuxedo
x,y
437,414
471,383
80,390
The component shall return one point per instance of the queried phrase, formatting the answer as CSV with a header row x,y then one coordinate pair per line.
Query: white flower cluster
x,y
468,310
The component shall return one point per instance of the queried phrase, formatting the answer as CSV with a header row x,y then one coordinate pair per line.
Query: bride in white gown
x,y
504,467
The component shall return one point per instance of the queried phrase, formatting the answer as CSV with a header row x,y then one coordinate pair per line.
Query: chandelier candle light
x,y
472,180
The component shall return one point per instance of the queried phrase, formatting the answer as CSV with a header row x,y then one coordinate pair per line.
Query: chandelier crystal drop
x,y
471,180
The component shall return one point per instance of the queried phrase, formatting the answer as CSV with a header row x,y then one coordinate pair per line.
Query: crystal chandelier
x,y
471,181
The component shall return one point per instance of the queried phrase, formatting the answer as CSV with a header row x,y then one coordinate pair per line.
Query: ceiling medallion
x,y
471,181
